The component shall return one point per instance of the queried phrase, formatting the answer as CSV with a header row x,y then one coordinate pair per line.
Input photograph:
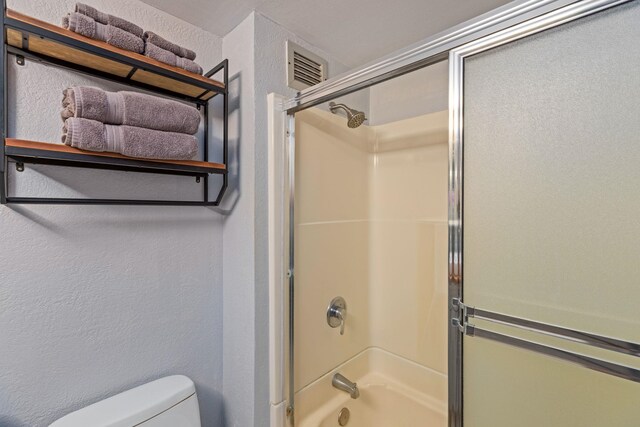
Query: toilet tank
x,y
167,402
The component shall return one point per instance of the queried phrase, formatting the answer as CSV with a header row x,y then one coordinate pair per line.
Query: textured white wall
x,y
95,300
239,285
271,57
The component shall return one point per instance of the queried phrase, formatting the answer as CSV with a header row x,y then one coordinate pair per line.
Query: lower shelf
x,y
110,202
22,151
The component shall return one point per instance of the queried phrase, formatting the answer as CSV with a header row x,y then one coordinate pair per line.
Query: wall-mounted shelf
x,y
34,38
22,151
28,37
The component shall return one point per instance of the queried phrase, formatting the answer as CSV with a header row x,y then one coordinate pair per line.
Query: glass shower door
x,y
545,272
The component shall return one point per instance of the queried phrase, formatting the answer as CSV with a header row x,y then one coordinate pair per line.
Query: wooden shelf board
x,y
51,148
77,56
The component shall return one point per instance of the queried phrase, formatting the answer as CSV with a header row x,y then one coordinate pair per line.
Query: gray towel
x,y
153,38
130,141
162,55
88,27
106,19
129,108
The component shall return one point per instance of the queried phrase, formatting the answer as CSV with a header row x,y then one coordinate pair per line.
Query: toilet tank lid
x,y
133,406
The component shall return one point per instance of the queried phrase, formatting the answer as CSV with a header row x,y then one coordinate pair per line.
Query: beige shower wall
x,y
371,212
332,241
408,239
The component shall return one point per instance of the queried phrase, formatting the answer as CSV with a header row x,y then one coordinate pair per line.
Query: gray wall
x,y
239,286
257,51
95,300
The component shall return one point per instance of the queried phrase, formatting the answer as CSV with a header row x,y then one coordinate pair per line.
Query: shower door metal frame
x,y
459,313
428,52
290,161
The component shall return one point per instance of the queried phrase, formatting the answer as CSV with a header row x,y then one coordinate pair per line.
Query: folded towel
x,y
162,55
129,108
153,38
105,18
88,27
130,141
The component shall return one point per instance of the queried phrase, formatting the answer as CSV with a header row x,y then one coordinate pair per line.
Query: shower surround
x,y
371,226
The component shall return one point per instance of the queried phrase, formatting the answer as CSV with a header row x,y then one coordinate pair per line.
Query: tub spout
x,y
342,383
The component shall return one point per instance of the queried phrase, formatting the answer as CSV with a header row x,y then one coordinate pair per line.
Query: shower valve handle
x,y
337,313
341,318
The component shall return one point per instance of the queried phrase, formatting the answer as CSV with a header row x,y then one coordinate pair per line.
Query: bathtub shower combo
x,y
540,99
371,331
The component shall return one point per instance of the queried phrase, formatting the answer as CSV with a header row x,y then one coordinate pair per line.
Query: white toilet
x,y
167,402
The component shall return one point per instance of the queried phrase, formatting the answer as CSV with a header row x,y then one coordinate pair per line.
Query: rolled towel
x,y
162,55
88,27
92,13
105,18
129,108
131,141
153,38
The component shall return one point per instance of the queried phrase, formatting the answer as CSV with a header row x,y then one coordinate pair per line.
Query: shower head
x,y
354,117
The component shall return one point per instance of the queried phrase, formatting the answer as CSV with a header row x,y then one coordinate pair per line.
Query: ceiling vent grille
x,y
304,68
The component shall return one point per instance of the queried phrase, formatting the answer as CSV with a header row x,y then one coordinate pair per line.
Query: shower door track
x,y
430,51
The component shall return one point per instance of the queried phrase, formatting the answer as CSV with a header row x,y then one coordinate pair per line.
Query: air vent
x,y
304,68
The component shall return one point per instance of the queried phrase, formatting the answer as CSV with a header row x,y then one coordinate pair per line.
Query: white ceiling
x,y
353,31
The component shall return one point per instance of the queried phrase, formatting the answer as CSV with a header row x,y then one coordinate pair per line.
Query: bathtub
x,y
394,392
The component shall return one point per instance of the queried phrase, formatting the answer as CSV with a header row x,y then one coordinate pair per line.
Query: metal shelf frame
x,y
94,162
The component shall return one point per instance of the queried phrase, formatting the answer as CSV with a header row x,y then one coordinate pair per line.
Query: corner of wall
x,y
239,288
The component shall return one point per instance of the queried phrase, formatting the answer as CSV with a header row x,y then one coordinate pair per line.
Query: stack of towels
x,y
170,53
129,123
126,35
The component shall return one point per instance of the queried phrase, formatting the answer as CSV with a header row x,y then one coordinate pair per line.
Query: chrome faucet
x,y
342,383
337,313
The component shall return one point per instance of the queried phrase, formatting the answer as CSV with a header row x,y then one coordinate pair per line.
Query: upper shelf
x,y
32,36
59,154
